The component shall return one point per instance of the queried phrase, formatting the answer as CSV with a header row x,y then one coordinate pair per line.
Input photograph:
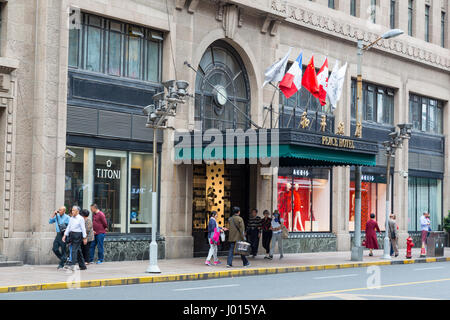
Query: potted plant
x,y
446,226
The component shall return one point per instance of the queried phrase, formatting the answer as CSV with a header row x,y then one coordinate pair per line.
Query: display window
x,y
424,195
119,182
373,200
304,199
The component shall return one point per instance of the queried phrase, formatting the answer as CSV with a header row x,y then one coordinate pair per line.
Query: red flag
x,y
309,80
322,79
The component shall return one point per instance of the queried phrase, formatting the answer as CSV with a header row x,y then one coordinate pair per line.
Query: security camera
x,y
69,153
405,174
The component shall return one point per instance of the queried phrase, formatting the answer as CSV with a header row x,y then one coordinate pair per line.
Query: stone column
x,y
446,182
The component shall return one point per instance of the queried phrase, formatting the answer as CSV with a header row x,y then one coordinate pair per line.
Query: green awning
x,y
288,155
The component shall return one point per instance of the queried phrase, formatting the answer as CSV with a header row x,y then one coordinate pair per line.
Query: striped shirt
x,y
254,223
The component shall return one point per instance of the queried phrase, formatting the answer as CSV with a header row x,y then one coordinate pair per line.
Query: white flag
x,y
276,71
335,84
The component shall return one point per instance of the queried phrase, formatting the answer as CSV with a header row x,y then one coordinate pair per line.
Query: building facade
x,y
76,75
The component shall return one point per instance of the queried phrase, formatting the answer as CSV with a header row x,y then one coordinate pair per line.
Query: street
x,y
411,281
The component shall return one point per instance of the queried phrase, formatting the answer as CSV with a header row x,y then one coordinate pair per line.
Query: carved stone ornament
x,y
358,130
231,20
344,29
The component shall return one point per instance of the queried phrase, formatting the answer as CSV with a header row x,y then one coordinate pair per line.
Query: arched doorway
x,y
221,81
222,78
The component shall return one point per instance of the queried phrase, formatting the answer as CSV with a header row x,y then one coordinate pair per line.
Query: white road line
x,y
431,268
333,277
210,287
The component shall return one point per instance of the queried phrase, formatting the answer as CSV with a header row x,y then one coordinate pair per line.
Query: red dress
x,y
371,236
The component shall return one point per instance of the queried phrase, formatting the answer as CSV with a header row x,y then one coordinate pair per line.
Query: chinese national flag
x,y
309,80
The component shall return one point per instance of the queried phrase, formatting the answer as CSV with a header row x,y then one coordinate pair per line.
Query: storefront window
x,y
304,199
140,199
119,182
425,195
373,200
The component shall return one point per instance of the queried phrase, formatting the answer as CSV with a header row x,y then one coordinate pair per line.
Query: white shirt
x,y
424,223
276,225
76,224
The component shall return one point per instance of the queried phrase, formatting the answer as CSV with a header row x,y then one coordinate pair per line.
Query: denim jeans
x,y
231,253
98,241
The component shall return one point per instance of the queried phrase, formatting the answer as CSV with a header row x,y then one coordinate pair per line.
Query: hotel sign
x,y
338,142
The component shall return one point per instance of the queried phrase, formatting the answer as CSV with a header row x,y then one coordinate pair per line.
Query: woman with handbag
x,y
277,226
237,228
214,237
85,248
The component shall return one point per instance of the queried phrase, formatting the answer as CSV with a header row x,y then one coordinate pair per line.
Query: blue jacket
x,y
64,219
211,226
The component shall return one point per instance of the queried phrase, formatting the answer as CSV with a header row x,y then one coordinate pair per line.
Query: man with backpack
x,y
61,220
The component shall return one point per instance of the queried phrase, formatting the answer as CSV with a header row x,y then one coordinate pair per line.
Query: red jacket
x,y
99,222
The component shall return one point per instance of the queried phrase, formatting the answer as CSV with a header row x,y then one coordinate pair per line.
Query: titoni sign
x,y
108,173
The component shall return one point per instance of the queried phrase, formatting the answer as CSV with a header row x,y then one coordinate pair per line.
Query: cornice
x,y
348,31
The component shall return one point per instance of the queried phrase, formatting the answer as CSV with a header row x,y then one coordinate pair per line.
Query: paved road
x,y
414,281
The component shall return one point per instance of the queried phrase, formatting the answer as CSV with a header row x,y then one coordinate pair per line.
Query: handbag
x,y
222,236
284,232
242,247
62,226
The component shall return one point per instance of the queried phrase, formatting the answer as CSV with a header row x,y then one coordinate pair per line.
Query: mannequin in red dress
x,y
286,215
298,223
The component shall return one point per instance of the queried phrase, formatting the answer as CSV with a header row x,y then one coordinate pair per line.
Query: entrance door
x,y
217,187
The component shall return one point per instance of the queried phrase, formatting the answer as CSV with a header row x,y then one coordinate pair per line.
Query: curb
x,y
205,275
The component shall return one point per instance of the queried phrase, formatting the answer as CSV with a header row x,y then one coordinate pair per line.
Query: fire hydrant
x,y
409,245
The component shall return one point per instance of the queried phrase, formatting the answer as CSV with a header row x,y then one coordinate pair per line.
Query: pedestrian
x,y
214,232
425,226
393,234
76,231
90,236
61,221
100,228
276,227
254,231
266,224
236,228
371,235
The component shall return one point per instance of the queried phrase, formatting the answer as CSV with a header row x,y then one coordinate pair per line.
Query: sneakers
x,y
83,268
247,265
99,261
207,263
217,262
270,258
229,265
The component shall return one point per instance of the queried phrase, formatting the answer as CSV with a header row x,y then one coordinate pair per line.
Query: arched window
x,y
222,78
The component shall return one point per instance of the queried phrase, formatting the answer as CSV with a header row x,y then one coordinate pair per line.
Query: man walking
x,y
393,234
100,227
61,220
254,231
236,228
76,230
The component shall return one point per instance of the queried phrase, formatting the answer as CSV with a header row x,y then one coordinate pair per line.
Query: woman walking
x,y
266,224
371,235
85,248
214,232
276,226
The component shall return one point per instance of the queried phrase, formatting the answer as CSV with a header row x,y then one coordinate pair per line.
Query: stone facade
x,y
33,100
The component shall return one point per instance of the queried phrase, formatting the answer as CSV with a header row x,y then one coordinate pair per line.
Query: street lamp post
x,y
357,250
164,106
391,146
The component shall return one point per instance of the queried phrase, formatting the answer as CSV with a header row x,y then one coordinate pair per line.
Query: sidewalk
x,y
47,277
